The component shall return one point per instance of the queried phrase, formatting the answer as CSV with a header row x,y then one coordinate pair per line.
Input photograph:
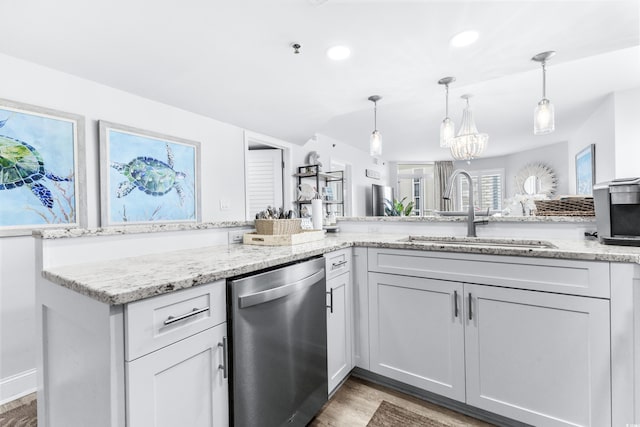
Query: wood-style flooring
x,y
356,401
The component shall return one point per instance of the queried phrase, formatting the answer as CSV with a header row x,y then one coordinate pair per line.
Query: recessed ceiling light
x,y
338,53
464,38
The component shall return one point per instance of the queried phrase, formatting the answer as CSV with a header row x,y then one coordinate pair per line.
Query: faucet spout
x,y
471,215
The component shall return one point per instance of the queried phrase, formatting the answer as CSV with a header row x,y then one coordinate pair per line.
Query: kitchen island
x,y
610,272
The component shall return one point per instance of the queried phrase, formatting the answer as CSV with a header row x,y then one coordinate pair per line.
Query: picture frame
x,y
43,169
585,164
147,177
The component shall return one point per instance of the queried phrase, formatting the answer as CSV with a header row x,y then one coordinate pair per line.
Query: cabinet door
x,y
339,343
540,358
181,384
416,332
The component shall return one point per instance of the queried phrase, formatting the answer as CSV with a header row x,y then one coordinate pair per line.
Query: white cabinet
x,y
153,362
538,357
339,317
416,332
181,384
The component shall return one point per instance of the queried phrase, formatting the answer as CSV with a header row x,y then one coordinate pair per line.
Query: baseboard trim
x,y
17,386
454,405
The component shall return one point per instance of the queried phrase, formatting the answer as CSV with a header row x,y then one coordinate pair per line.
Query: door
x,y
339,352
264,180
416,332
538,357
183,384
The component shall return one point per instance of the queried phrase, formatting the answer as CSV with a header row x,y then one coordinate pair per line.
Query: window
x,y
488,190
415,182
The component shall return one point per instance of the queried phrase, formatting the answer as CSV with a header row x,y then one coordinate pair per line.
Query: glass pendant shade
x,y
375,140
468,144
544,114
543,118
447,127
375,144
447,132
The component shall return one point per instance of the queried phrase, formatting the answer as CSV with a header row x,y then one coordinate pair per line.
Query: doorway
x,y
266,160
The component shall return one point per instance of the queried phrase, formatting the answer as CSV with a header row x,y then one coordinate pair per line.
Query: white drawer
x,y
153,323
573,277
337,262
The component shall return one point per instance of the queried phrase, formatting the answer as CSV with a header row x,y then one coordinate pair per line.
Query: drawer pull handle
x,y
338,264
330,306
225,357
455,303
470,309
194,312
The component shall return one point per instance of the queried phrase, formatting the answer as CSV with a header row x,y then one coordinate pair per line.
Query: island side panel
x,y
81,359
625,343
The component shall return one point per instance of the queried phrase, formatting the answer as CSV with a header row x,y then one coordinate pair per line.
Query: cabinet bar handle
x,y
455,303
225,357
330,306
338,264
470,310
194,312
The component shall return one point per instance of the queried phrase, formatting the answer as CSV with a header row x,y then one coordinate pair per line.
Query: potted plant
x,y
397,207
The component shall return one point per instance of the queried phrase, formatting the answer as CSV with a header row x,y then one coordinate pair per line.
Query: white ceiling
x,y
232,60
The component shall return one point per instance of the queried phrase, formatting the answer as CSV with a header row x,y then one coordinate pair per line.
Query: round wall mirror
x,y
536,178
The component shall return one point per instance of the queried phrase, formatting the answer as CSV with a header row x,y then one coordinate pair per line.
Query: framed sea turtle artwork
x,y
42,169
147,177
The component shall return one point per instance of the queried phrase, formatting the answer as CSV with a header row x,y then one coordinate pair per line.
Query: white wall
x,y
627,133
599,129
554,155
222,160
332,150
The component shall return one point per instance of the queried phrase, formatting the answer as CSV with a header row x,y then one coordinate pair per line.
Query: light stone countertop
x,y
463,218
131,279
61,233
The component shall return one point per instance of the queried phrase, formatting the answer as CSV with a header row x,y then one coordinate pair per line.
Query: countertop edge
x,y
100,282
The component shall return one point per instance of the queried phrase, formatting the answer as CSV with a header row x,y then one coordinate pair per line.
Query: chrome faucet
x,y
471,216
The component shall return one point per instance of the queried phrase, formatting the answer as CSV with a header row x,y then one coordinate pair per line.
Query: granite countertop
x,y
463,218
131,279
61,233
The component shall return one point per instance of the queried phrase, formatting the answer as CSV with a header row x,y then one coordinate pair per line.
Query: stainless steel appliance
x,y
378,195
278,345
617,207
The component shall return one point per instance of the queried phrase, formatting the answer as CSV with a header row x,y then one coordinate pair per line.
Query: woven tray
x,y
278,226
305,236
571,206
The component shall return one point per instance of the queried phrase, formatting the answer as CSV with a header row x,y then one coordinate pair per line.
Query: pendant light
x,y
447,127
375,141
468,144
543,115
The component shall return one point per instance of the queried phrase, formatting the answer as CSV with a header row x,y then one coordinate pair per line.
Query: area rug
x,y
22,416
390,415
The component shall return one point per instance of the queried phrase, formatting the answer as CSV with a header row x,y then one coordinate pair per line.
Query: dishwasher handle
x,y
281,291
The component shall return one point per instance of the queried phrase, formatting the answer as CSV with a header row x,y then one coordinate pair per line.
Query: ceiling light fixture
x,y
375,141
338,53
464,38
296,47
543,115
447,127
469,144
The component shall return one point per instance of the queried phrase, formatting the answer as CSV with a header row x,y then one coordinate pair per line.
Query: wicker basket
x,y
278,226
571,206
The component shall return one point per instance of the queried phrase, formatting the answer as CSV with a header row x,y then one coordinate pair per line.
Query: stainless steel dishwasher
x,y
278,345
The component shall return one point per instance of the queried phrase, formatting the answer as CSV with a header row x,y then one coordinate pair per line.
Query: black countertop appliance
x,y
617,207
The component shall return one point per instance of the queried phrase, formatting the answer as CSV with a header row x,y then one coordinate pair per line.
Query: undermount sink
x,y
480,242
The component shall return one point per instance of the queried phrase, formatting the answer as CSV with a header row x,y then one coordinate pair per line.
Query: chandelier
x,y
468,144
